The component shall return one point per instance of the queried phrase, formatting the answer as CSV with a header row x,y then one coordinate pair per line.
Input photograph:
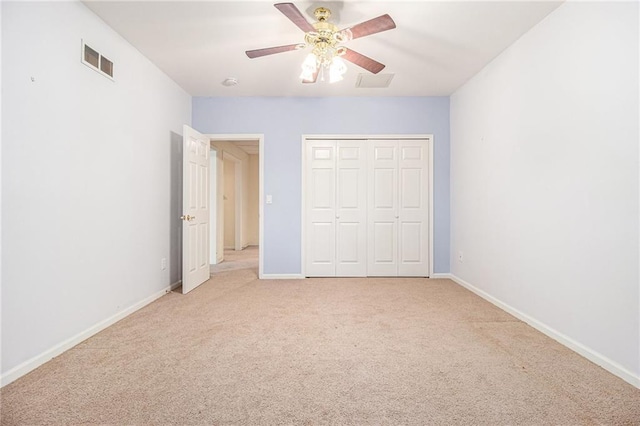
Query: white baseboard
x,y
441,275
282,277
593,356
35,362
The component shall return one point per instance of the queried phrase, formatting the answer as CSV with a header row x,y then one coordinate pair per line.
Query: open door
x,y
195,209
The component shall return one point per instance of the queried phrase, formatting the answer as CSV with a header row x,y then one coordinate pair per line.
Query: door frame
x,y
233,137
303,171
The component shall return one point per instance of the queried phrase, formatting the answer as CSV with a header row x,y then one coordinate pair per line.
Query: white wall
x,y
245,202
544,180
253,206
229,204
91,180
219,224
213,207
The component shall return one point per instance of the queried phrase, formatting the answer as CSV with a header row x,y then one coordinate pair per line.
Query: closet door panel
x,y
384,243
413,208
410,248
321,243
351,209
320,186
348,248
384,193
382,254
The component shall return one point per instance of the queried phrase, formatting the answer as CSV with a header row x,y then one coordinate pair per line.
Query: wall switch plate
x,y
269,199
460,256
163,263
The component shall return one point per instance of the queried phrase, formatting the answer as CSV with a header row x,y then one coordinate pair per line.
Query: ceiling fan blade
x,y
363,61
372,26
314,79
291,11
271,50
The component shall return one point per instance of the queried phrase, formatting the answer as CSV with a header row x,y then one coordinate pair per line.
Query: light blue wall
x,y
283,121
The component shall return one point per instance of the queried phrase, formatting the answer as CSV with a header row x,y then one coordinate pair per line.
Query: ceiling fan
x,y
325,39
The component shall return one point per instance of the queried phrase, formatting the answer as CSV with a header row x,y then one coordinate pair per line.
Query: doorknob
x,y
187,217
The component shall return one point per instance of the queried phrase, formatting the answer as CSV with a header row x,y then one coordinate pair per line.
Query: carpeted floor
x,y
242,259
320,351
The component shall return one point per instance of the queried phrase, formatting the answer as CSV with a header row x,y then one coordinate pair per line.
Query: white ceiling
x,y
436,47
251,147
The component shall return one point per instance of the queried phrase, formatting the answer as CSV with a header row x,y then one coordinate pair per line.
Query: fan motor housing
x,y
322,14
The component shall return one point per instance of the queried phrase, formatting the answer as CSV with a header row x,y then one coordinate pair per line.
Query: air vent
x,y
374,81
94,60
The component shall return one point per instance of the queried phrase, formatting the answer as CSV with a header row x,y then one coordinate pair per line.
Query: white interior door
x,y
413,208
195,204
320,253
351,209
382,256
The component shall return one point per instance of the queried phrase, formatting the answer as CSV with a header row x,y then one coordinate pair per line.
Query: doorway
x,y
236,233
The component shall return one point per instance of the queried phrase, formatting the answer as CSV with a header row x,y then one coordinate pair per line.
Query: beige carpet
x,y
320,351
241,259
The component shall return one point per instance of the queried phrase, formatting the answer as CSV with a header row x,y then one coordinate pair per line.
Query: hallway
x,y
233,260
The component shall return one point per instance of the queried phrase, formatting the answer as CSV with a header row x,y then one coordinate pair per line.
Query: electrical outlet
x,y
460,257
163,263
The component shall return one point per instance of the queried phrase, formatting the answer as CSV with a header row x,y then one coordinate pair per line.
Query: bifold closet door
x,y
413,208
398,208
351,209
320,200
382,256
336,200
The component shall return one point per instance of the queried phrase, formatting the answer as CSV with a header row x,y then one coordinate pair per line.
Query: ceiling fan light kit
x,y
324,39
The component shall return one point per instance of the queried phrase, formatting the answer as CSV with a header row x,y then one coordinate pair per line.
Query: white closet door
x,y
351,209
320,253
413,208
382,256
366,208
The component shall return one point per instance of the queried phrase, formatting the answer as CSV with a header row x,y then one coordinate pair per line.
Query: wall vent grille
x,y
94,60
